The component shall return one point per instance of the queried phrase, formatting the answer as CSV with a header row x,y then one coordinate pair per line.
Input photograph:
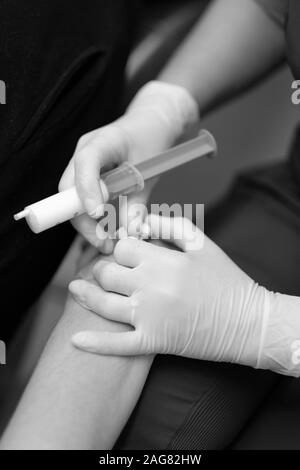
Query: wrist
x,y
250,324
172,104
280,345
159,116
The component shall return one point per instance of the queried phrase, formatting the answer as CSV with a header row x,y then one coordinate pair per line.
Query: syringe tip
x,y
21,215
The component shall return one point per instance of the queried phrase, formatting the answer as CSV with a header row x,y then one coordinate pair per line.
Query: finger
x,y
87,179
67,180
133,211
109,305
181,231
93,233
131,252
135,223
109,146
110,344
121,233
86,256
114,278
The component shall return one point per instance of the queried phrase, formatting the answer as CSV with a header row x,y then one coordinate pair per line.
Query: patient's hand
x,y
90,256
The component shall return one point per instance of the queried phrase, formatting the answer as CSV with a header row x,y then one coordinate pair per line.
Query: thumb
x,y
179,230
108,344
107,148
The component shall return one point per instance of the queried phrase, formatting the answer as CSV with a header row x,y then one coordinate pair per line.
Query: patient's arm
x,y
76,400
232,46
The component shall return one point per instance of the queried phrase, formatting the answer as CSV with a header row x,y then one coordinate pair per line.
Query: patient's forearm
x,y
231,47
76,400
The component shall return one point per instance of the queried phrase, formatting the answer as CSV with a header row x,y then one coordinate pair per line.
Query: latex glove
x,y
158,116
195,303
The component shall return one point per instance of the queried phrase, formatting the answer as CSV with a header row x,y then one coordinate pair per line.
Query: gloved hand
x,y
195,303
158,116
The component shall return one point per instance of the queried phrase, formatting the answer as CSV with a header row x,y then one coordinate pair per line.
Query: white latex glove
x,y
158,116
196,303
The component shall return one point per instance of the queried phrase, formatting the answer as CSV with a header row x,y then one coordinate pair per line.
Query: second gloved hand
x,y
195,303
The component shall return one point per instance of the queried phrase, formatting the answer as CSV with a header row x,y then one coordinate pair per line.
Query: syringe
x,y
122,180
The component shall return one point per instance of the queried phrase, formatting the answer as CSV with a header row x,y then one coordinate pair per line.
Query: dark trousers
x,y
188,404
62,62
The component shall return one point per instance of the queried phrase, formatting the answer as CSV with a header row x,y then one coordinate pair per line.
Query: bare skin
x,y
76,400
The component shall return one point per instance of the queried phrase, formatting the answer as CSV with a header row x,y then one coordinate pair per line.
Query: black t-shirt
x,y
62,62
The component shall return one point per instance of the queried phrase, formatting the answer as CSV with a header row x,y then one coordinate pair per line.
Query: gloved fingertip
x,y
121,233
83,340
95,211
146,231
135,227
75,287
108,246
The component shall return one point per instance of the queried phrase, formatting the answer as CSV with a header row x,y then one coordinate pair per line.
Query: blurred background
x,y
252,130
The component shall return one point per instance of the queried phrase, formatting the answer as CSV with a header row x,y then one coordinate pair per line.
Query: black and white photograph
x,y
150,229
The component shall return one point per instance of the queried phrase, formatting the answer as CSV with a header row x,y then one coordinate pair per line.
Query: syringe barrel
x,y
122,180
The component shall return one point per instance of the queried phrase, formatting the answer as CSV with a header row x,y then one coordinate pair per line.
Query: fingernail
x,y
75,288
122,233
82,340
108,246
146,232
94,211
98,212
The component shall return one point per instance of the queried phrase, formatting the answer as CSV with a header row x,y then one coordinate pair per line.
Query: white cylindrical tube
x,y
55,209
66,205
